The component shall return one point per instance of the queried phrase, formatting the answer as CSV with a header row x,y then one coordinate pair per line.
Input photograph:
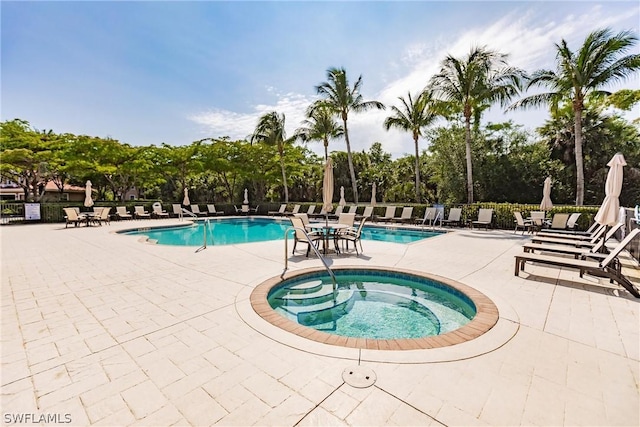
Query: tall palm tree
x,y
597,63
319,126
342,99
270,130
413,116
474,83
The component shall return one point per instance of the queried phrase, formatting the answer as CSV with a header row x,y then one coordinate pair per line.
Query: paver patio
x,y
102,329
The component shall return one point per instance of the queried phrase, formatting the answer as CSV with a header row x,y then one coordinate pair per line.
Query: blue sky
x,y
152,72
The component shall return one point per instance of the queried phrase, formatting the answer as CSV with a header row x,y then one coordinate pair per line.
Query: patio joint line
x,y
409,404
318,404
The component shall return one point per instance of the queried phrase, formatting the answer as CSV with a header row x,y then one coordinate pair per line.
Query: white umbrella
x,y
546,204
609,210
343,202
373,194
327,189
186,200
88,201
246,197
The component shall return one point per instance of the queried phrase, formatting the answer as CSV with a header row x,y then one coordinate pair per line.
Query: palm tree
x,y
342,99
319,126
413,117
474,83
270,130
599,62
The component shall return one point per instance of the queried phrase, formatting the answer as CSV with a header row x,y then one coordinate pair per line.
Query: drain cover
x,y
359,377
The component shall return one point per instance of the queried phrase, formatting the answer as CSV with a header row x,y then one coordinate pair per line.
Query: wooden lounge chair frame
x,y
606,268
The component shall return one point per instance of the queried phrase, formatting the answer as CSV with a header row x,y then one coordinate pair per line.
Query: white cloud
x,y
526,35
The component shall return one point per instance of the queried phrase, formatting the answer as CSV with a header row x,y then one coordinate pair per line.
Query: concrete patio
x,y
103,329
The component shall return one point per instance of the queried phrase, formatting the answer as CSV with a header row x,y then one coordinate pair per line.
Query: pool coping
x,y
487,316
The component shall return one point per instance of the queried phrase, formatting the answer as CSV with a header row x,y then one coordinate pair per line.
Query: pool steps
x,y
314,302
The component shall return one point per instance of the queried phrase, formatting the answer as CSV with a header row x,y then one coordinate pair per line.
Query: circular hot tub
x,y
375,308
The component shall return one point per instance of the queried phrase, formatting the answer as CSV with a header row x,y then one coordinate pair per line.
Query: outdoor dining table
x,y
328,230
89,217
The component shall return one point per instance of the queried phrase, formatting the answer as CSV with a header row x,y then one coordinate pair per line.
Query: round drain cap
x,y
359,377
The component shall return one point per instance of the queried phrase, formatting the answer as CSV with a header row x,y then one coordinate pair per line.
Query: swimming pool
x,y
229,231
375,308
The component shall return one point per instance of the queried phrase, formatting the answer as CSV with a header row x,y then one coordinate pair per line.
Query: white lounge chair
x,y
140,212
122,213
196,210
485,217
211,210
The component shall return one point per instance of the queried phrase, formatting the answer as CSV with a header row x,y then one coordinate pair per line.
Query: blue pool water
x,y
372,304
230,231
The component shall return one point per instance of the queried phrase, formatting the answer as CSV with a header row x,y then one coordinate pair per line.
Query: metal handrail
x,y
188,212
433,227
205,227
312,246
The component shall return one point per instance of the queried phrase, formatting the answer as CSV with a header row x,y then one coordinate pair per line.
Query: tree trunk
x,y
415,140
352,171
467,137
579,159
284,178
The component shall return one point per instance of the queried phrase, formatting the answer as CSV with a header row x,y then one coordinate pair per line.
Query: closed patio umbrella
x,y
88,201
610,208
342,202
327,189
373,194
186,200
546,204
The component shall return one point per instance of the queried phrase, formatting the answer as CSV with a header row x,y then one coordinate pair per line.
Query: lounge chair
x,y
573,220
354,236
158,212
522,224
485,217
406,215
121,212
140,212
429,217
554,235
368,213
196,210
606,268
72,217
336,213
279,212
579,241
299,235
577,252
455,215
177,209
211,210
389,214
295,210
353,209
311,210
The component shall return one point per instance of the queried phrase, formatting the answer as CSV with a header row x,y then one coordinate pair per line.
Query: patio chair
x,y
606,268
304,218
485,217
295,210
522,224
577,252
571,225
538,218
103,216
368,213
573,220
299,235
354,236
243,210
72,217
211,210
429,217
196,210
347,219
353,209
121,212
389,214
559,221
279,212
140,212
158,212
311,210
454,217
